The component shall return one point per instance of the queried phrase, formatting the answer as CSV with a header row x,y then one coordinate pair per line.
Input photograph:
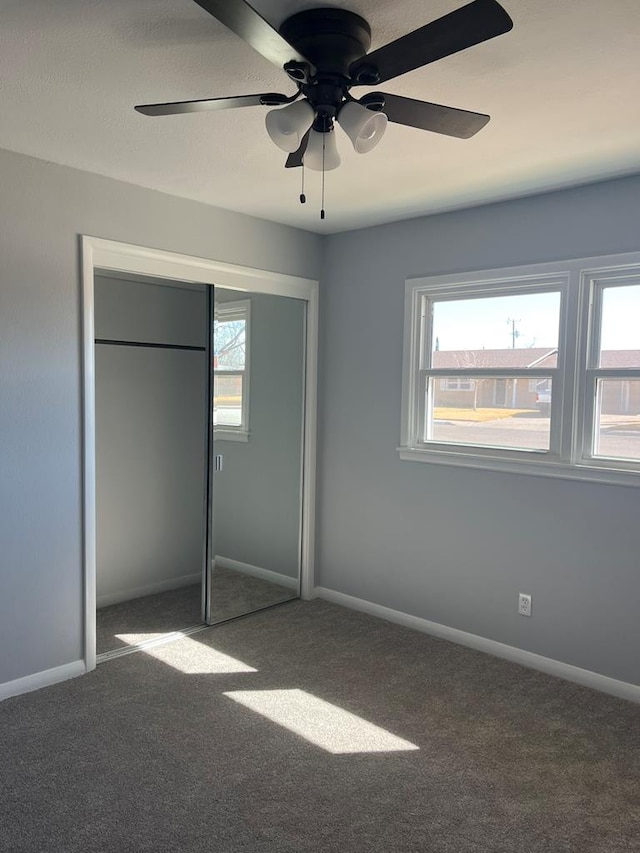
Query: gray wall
x,y
45,207
257,495
151,410
455,545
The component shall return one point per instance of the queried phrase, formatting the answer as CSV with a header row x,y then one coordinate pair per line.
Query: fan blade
x,y
295,159
244,21
435,117
178,107
469,25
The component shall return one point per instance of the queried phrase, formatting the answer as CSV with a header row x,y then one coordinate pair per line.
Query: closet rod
x,y
155,346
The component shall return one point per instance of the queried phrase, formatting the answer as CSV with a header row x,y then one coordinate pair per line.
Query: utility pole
x,y
514,332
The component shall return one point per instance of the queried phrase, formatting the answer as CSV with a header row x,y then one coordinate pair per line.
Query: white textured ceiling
x,y
562,89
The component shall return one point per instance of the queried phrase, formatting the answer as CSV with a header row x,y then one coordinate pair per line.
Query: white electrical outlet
x,y
524,604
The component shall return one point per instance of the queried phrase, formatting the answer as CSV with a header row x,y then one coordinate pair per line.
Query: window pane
x,y
618,419
229,344
496,332
620,333
227,400
490,411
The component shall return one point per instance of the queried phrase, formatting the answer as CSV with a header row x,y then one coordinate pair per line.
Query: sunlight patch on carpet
x,y
188,655
321,723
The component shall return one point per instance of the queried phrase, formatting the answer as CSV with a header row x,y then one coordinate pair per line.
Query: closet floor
x,y
234,594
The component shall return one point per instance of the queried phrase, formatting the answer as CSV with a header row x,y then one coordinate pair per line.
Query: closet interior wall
x,y
151,375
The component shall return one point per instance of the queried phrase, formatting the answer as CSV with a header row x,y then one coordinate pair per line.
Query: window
x,y
231,370
456,383
613,372
534,369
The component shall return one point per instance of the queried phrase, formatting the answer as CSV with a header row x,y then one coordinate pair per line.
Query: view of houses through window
x,y
503,335
615,353
543,365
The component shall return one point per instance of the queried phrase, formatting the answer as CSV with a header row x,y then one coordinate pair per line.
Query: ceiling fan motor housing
x,y
331,39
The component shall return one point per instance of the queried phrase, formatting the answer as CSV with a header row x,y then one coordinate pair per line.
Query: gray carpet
x,y
147,753
140,619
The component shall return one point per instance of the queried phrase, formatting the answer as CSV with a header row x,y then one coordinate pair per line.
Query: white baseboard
x,y
257,572
149,589
585,677
42,679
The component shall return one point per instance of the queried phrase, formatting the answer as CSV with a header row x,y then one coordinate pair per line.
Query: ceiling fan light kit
x,y
322,152
325,53
286,126
363,127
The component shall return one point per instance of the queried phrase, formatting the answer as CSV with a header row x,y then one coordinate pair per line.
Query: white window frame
x,y
597,282
227,311
581,283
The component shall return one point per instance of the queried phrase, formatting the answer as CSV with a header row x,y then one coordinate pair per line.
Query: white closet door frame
x,y
99,254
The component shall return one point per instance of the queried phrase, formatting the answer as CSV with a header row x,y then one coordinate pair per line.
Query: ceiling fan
x,y
324,52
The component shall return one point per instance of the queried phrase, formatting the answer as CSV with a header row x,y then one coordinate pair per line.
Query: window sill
x,y
596,473
230,435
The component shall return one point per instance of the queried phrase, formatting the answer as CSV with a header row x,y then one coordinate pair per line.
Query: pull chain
x,y
324,137
303,197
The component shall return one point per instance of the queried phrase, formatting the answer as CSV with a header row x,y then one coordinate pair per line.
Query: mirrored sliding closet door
x,y
258,374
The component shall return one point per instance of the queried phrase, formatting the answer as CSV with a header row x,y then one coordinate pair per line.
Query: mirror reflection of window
x,y
231,366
